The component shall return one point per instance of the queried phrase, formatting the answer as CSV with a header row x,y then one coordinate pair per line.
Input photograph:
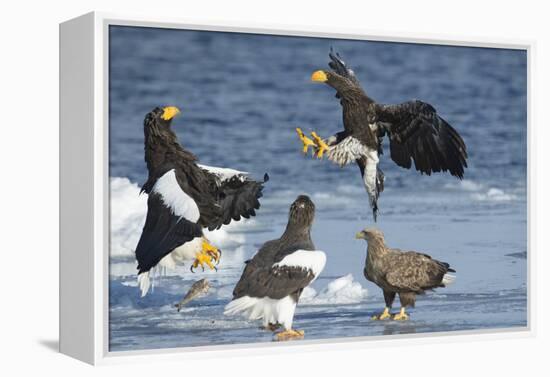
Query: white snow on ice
x,y
128,212
494,195
343,290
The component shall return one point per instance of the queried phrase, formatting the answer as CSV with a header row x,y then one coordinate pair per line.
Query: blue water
x,y
241,97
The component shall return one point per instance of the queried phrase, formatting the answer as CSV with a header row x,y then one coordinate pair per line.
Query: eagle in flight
x,y
184,198
407,273
273,280
416,133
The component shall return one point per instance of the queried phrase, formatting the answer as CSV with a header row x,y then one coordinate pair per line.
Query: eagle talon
x,y
401,316
207,254
320,145
306,141
289,335
382,316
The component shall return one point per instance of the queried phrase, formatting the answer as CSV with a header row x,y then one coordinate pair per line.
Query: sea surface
x,y
241,97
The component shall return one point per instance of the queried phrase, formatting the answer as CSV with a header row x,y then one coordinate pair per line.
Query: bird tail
x,y
144,283
240,305
378,189
448,279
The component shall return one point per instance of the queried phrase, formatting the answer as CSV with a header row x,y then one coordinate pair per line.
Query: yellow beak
x,y
319,76
359,235
170,112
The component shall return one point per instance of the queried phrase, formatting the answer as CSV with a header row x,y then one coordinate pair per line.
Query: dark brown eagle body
x,y
415,130
273,280
406,273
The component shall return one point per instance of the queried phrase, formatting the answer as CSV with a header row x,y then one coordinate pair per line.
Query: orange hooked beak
x,y
170,112
319,76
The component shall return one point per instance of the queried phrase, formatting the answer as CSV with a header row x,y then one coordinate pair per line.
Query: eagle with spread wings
x,y
185,198
415,130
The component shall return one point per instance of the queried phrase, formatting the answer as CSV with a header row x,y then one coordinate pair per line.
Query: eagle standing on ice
x,y
184,198
275,277
415,130
398,272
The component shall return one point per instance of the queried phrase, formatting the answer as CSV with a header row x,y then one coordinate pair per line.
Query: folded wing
x,y
416,272
290,275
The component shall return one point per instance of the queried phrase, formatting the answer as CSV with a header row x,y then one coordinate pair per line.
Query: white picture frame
x,y
84,195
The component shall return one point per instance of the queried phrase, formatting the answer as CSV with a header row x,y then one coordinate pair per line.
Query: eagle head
x,y
161,115
369,234
302,211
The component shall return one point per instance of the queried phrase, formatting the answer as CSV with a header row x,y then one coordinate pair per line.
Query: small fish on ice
x,y
198,288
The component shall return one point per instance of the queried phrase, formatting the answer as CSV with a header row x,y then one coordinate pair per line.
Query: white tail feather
x,y
144,283
448,279
267,309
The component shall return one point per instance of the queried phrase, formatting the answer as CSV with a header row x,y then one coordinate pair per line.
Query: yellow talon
x,y
206,256
322,147
305,140
401,316
210,250
289,335
201,259
384,315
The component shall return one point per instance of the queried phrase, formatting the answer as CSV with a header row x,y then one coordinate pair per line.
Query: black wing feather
x,y
417,133
162,233
237,198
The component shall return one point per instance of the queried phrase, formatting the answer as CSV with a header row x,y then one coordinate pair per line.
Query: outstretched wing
x,y
164,230
416,272
291,274
237,197
417,133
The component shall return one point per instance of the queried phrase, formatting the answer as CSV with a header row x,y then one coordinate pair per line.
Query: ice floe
x,y
343,290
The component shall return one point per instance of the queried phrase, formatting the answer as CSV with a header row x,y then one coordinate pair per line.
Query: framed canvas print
x,y
227,188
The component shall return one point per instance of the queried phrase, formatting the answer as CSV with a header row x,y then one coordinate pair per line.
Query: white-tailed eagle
x,y
407,273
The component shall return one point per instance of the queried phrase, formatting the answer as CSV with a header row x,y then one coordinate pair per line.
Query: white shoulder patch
x,y
175,198
310,260
224,173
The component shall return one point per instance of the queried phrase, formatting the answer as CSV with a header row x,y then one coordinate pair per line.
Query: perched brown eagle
x,y
416,133
406,273
184,198
273,280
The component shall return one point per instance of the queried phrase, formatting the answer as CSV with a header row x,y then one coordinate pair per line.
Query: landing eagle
x,y
185,197
416,133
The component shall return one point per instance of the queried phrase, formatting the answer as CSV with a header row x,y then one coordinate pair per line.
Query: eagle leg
x,y
289,335
401,316
306,141
384,315
320,145
271,327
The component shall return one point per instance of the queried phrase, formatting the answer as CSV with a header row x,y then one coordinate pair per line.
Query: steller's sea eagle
x,y
273,280
184,198
406,273
416,133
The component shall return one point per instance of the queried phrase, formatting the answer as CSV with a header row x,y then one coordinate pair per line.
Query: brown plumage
x,y
406,273
416,132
